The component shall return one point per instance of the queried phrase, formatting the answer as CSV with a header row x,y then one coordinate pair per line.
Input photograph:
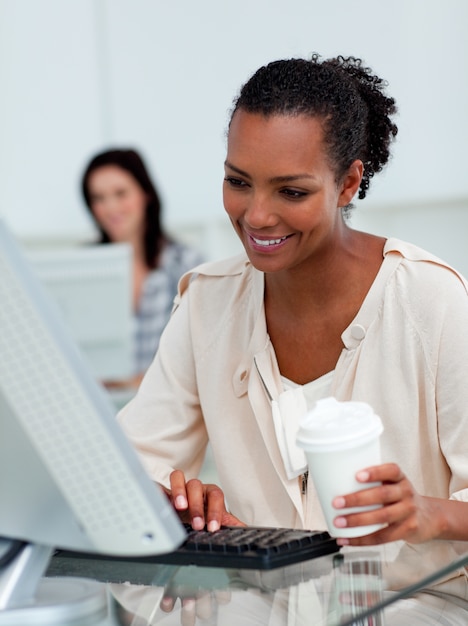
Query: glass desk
x,y
355,586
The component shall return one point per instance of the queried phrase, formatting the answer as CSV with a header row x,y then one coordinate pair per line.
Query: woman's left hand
x,y
406,514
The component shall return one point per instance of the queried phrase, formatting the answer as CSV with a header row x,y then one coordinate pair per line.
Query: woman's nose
x,y
110,204
260,212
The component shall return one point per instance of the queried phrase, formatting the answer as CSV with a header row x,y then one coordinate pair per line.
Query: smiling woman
x,y
316,309
125,205
280,197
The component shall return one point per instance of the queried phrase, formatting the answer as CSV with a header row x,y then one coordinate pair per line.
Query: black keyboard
x,y
233,547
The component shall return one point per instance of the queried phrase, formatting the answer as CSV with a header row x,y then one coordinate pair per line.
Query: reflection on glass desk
x,y
352,587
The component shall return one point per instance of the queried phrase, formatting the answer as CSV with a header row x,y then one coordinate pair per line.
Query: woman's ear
x,y
351,181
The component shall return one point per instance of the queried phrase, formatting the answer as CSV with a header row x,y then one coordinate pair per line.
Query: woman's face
x,y
118,203
280,191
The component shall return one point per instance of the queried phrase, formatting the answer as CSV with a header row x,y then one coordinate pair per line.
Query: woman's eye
x,y
293,193
234,182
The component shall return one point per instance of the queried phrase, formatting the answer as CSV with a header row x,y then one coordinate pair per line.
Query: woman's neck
x,y
342,273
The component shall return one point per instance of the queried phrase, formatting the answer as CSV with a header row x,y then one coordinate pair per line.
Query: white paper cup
x,y
339,439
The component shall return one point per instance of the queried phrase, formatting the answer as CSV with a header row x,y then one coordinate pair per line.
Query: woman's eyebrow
x,y
276,179
291,178
236,169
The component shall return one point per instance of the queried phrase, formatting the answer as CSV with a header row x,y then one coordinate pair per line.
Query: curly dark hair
x,y
343,93
130,161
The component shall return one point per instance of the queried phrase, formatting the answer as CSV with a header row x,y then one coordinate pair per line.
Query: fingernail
x,y
213,525
198,523
363,476
340,522
188,604
342,542
166,602
339,502
181,502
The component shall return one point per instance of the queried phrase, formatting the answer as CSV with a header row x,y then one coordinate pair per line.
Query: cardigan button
x,y
358,332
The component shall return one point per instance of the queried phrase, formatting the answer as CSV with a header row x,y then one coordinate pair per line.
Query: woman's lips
x,y
270,243
267,242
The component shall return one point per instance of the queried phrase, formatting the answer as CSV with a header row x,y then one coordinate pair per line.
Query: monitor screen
x,y
69,478
92,288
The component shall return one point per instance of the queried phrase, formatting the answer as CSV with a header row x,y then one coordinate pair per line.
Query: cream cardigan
x,y
405,353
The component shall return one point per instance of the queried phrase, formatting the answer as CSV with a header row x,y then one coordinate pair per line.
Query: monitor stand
x,y
26,597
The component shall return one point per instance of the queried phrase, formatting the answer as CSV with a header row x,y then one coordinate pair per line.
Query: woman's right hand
x,y
200,504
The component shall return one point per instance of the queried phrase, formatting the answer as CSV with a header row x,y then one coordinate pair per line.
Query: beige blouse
x,y
405,354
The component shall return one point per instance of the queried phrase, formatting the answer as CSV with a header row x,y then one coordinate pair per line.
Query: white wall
x,y
80,75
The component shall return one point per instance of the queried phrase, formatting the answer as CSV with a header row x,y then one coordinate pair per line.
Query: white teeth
x,y
268,242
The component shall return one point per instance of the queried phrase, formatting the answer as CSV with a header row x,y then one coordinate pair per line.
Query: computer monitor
x,y
92,287
69,478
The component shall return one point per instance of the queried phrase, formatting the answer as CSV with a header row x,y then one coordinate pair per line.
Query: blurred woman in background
x,y
126,208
